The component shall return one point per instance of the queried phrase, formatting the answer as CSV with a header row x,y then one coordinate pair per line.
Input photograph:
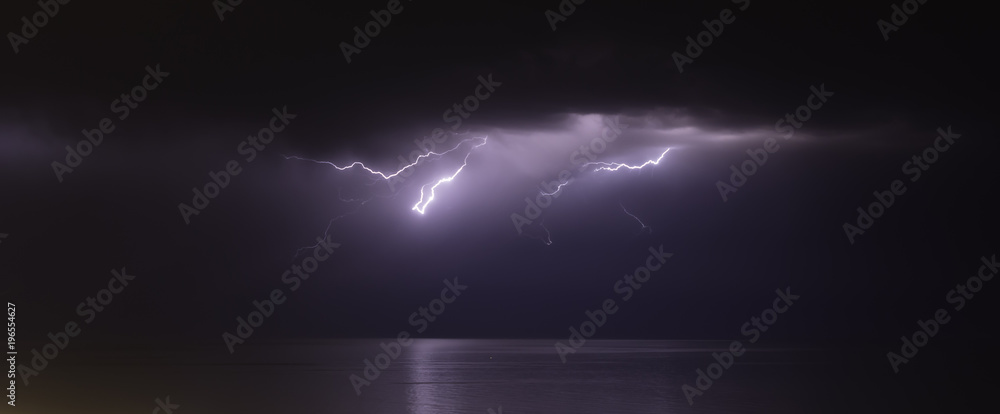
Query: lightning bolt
x,y
644,226
340,195
421,205
558,188
609,166
615,166
379,173
548,236
417,207
330,223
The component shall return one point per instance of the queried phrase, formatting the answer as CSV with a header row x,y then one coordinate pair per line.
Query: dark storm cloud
x,y
609,59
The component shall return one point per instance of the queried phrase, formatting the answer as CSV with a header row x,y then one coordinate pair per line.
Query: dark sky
x,y
608,59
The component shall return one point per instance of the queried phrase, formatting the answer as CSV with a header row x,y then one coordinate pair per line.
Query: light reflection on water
x,y
431,376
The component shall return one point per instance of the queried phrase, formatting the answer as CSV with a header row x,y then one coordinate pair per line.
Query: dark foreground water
x,y
448,376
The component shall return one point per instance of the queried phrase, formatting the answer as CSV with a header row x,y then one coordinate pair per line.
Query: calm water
x,y
442,376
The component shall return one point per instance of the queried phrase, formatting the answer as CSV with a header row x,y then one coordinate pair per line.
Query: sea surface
x,y
452,376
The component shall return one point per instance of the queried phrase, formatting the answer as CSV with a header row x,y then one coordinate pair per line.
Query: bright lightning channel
x,y
615,166
420,209
558,188
609,166
379,173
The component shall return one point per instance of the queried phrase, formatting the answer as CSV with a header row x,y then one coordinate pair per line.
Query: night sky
x,y
547,93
